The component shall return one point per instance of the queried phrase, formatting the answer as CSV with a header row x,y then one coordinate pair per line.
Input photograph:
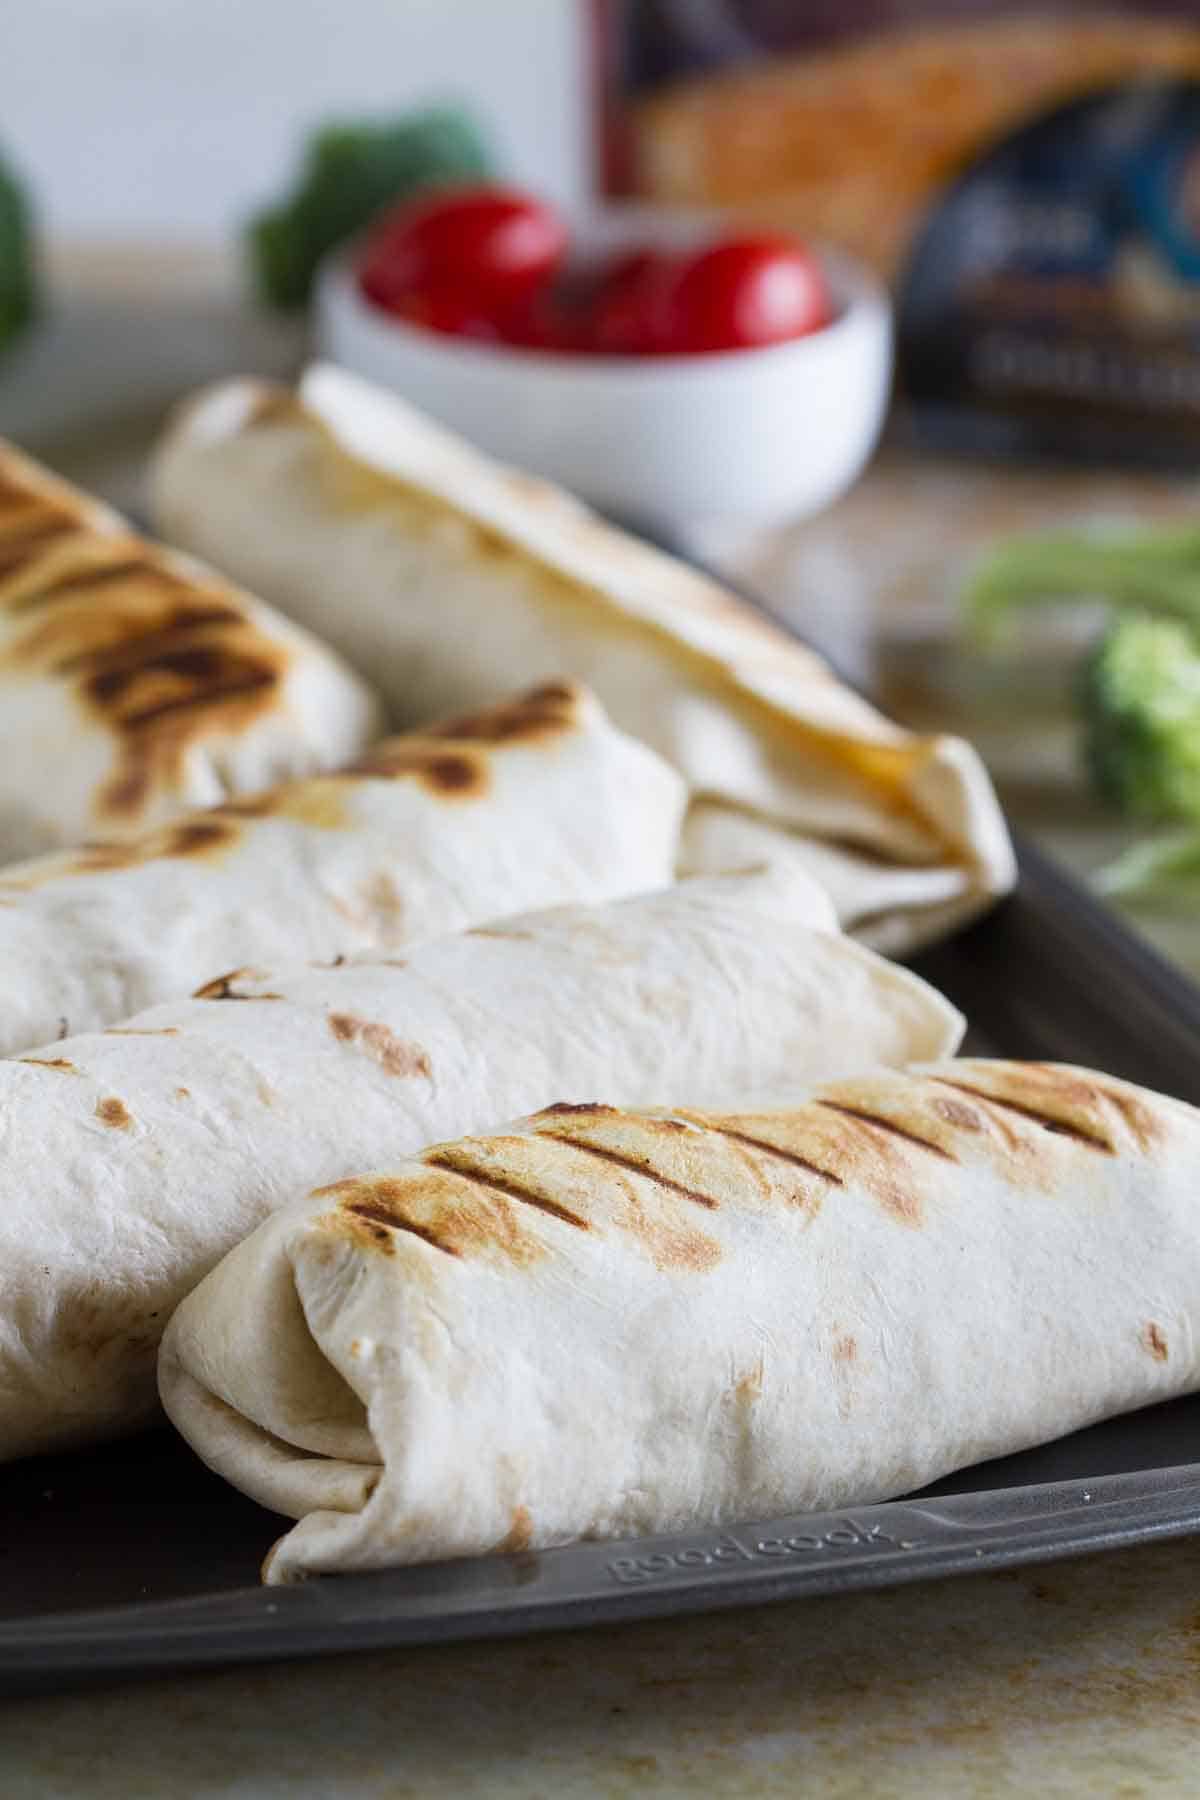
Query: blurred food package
x,y
1027,177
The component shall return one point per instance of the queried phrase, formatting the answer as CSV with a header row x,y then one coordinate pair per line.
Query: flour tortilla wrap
x,y
605,1324
132,1160
135,684
535,802
445,575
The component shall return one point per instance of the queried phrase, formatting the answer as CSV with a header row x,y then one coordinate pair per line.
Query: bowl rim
x,y
863,299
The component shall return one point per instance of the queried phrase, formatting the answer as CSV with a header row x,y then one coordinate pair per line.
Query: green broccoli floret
x,y
351,171
1141,710
18,285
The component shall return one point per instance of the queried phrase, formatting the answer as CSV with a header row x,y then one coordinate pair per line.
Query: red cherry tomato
x,y
543,320
490,244
448,311
742,292
623,311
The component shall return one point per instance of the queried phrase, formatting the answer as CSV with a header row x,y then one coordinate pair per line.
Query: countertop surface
x,y
1076,1678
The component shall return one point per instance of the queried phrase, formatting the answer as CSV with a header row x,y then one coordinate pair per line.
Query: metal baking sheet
x,y
134,1558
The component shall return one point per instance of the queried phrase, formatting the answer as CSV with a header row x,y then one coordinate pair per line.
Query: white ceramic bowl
x,y
742,437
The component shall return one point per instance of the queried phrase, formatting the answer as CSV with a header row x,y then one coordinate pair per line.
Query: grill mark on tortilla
x,y
220,989
568,1108
463,1223
1047,1121
1154,1340
237,688
160,669
185,621
85,580
756,1143
444,1159
878,1123
633,1166
22,546
547,711
51,1062
372,1213
1144,1125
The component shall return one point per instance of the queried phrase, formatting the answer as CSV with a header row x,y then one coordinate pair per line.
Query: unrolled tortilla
x,y
607,1324
135,684
132,1160
444,575
535,802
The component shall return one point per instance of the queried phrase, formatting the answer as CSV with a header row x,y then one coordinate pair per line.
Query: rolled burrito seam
x,y
424,559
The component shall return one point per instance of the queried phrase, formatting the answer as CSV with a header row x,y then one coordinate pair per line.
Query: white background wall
x,y
177,117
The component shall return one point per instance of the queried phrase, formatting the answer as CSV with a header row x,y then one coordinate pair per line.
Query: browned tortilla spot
x,y
845,1349
220,988
458,1163
350,1184
671,1244
1154,1340
547,711
52,1062
955,1112
253,806
1047,1121
451,774
393,1055
519,1535
876,1122
115,1113
182,1093
634,1167
198,837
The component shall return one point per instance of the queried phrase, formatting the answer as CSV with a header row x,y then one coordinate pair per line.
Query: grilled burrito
x,y
601,1324
135,684
444,574
535,802
131,1160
